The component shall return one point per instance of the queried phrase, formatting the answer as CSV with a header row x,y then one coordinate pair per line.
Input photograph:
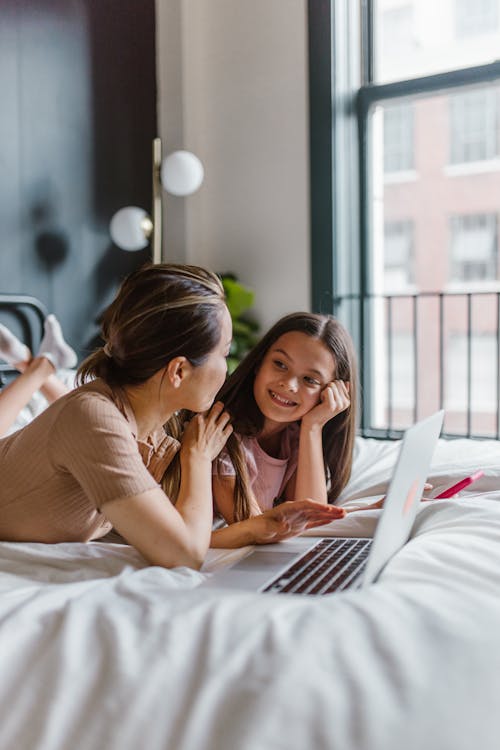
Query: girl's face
x,y
207,379
291,377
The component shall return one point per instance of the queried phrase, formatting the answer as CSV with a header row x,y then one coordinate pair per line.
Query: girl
x,y
292,403
37,373
93,460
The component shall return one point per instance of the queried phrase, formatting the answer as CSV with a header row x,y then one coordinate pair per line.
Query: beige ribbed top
x,y
80,453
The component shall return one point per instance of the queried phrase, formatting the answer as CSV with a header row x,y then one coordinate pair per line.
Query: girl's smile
x,y
291,377
281,400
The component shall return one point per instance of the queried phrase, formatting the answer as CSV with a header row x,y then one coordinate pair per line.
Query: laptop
x,y
306,565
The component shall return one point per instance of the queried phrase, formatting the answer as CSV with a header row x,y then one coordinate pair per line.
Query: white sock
x,y
54,347
11,349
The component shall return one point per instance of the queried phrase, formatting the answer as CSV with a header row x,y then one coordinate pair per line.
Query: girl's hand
x,y
334,399
292,518
206,434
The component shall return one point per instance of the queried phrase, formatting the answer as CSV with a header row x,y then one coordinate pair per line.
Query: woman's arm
x,y
151,524
170,536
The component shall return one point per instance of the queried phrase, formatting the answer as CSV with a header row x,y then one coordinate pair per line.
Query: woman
x,y
93,460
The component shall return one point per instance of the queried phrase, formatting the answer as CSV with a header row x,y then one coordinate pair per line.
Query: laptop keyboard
x,y
331,565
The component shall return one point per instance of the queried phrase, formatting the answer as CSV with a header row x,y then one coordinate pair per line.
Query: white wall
x,y
232,88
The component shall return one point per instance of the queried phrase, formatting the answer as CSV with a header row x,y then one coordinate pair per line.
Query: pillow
x,y
454,459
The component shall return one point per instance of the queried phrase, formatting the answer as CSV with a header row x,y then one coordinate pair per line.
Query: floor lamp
x,y
180,173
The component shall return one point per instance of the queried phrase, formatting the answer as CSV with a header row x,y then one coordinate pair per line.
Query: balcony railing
x,y
417,353
426,351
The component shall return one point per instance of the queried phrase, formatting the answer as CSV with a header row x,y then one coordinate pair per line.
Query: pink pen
x,y
460,485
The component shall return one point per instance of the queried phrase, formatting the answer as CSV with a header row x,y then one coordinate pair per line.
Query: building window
x,y
474,125
483,372
398,138
474,254
473,17
398,255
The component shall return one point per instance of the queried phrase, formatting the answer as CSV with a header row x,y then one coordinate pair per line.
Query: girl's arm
x,y
223,491
275,525
309,479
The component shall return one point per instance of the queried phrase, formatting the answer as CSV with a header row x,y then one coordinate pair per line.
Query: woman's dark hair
x,y
338,433
160,312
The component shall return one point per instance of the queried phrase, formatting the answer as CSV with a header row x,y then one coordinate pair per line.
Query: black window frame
x,y
332,107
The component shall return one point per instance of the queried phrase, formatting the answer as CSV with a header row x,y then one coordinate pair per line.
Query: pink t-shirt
x,y
268,475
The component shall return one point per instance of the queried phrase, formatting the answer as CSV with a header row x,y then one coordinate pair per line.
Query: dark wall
x,y
78,115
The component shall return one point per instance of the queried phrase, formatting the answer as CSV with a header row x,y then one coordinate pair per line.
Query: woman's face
x,y
291,377
207,379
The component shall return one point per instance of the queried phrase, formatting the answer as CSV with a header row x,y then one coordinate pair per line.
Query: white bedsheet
x,y
100,652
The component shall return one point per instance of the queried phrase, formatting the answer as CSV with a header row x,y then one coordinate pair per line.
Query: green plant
x,y
239,299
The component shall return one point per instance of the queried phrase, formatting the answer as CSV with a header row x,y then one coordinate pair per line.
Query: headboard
x,y
24,315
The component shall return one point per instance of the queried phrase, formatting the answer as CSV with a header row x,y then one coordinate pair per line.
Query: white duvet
x,y
99,652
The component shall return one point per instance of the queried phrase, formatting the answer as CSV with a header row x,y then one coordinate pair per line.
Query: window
x,y
483,375
398,138
410,39
414,180
474,254
397,29
402,372
473,17
398,255
474,125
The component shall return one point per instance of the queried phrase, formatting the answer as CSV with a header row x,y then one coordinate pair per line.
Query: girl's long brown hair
x,y
247,419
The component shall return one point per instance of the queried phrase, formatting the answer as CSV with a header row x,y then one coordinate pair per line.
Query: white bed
x,y
100,652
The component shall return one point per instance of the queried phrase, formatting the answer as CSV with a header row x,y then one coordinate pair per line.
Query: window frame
x,y
341,32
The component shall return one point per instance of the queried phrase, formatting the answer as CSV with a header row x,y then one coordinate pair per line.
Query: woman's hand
x,y
292,518
334,399
206,434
